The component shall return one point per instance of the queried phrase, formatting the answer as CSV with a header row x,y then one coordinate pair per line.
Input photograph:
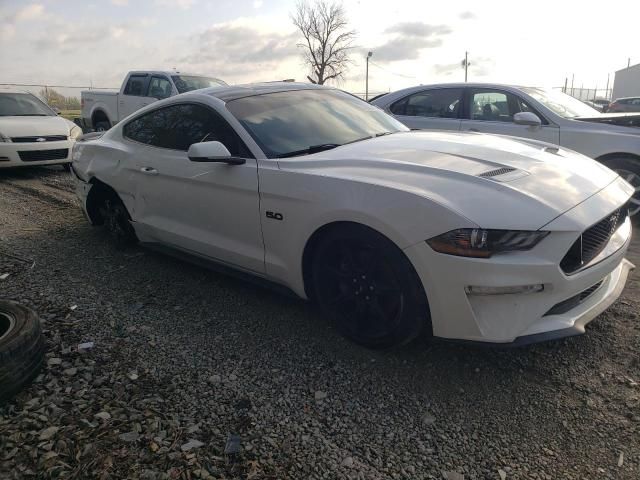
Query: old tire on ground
x,y
21,347
367,285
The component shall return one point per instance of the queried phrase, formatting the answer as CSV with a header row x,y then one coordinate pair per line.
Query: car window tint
x,y
490,106
443,103
177,127
135,85
159,87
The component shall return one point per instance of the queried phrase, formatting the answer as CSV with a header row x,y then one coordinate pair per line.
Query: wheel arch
x,y
312,242
97,115
97,194
611,156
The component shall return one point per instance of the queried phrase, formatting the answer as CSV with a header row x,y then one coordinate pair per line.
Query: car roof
x,y
233,92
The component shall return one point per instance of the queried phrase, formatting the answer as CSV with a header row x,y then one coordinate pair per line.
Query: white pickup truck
x,y
102,109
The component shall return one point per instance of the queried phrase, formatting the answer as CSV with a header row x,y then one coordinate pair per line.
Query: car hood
x,y
494,181
620,119
32,126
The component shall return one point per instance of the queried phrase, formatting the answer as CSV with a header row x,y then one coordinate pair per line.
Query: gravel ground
x,y
185,358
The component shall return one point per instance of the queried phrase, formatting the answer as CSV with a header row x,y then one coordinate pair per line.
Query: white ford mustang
x,y
462,236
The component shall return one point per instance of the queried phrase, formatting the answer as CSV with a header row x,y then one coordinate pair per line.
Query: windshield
x,y
22,105
562,104
282,123
186,83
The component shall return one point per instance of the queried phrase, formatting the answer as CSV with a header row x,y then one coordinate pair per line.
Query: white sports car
x,y
463,236
31,133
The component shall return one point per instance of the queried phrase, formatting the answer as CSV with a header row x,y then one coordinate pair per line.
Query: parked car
x,y
599,104
31,133
629,104
391,232
101,109
547,115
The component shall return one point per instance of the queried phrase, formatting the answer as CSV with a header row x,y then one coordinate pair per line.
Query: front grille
x,y
570,303
592,241
496,172
41,155
36,139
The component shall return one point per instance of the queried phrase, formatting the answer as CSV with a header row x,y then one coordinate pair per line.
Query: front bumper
x,y
10,153
521,318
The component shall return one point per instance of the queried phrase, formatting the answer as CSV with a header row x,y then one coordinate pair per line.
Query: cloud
x,y
467,15
403,48
241,48
409,39
27,13
120,3
184,4
418,29
257,3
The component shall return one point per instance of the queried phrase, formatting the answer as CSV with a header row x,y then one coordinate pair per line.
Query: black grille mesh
x,y
41,155
496,172
592,241
570,303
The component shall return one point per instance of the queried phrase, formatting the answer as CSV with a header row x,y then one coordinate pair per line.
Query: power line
x,y
392,73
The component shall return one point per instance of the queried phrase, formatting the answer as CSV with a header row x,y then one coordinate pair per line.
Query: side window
x,y
177,127
442,103
135,85
159,87
490,106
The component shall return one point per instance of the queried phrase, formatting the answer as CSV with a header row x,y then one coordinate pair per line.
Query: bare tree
x,y
327,38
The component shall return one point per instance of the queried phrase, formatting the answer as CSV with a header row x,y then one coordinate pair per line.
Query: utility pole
x,y
366,88
606,90
564,89
573,75
466,65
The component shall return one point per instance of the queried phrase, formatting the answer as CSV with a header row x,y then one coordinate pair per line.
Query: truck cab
x,y
101,109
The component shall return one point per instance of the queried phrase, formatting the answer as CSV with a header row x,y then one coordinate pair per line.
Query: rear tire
x,y
368,287
117,221
21,348
629,169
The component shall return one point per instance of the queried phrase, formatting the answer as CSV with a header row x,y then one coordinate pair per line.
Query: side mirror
x,y
56,110
212,152
527,118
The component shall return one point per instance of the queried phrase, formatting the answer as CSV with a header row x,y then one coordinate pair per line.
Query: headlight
x,y
76,131
481,243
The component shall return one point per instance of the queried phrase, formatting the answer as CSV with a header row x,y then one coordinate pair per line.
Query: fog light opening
x,y
510,290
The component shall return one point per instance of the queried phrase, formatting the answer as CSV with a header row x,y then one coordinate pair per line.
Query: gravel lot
x,y
184,357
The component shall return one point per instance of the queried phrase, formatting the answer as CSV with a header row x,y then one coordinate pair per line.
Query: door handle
x,y
149,170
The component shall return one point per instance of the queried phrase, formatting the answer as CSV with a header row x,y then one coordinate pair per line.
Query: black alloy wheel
x,y
368,287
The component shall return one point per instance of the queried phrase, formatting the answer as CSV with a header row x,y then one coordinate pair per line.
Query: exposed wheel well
x,y
97,195
99,116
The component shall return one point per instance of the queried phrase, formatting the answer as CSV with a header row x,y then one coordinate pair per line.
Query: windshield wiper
x,y
309,150
327,146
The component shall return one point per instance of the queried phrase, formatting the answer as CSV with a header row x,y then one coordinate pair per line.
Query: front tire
x,y
368,287
629,169
102,126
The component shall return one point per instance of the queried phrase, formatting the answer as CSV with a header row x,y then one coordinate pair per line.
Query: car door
x,y
210,209
134,95
432,109
491,110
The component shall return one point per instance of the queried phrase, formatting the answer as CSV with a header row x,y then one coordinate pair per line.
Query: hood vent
x,y
496,172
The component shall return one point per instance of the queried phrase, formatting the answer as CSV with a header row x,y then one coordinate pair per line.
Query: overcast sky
x,y
82,42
